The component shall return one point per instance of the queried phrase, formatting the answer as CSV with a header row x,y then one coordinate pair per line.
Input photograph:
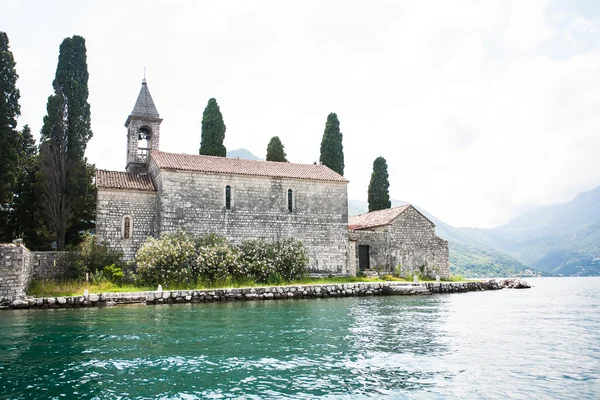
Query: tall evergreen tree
x,y
332,150
9,111
275,151
213,131
25,220
65,175
379,196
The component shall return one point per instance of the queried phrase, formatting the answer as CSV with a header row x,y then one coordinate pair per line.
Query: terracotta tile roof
x,y
376,218
123,180
223,165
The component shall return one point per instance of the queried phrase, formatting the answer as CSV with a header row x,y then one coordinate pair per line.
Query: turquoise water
x,y
537,343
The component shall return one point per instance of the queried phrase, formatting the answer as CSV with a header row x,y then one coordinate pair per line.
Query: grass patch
x,y
74,288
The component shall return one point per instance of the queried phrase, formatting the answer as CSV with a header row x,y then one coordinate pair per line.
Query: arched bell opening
x,y
144,142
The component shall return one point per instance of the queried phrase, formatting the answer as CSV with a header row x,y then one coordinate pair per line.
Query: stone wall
x,y
50,265
254,293
113,205
18,266
15,270
408,242
259,209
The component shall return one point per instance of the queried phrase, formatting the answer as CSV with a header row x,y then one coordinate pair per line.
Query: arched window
x,y
290,199
127,227
144,142
228,197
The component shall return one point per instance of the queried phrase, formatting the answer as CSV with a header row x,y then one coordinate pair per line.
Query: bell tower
x,y
143,131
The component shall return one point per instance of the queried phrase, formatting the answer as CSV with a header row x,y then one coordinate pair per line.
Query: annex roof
x,y
123,180
376,218
224,165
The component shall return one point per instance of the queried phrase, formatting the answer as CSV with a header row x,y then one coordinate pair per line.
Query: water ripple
x,y
540,343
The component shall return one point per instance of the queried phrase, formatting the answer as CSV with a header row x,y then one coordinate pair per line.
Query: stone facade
x,y
408,241
259,209
113,205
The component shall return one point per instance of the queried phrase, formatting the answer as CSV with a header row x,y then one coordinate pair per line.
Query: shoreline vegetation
x,y
77,287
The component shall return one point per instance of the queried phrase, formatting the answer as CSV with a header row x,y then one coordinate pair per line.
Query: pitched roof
x,y
123,180
144,106
376,218
223,165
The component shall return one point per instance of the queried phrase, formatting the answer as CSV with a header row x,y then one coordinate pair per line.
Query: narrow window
x,y
228,197
290,200
127,228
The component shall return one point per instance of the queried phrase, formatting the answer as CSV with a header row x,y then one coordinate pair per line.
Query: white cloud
x,y
482,109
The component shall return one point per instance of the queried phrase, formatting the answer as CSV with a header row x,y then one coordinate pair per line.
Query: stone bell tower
x,y
143,131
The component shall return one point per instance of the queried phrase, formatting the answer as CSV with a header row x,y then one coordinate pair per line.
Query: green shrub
x,y
291,260
92,256
180,259
169,260
217,263
257,256
113,274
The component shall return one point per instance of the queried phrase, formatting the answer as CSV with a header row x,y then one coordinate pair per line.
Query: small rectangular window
x,y
127,228
228,197
290,200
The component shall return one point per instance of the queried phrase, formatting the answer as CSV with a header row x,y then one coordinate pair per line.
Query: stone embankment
x,y
252,293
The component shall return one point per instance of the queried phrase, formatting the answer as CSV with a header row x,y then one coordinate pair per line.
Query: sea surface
x,y
518,344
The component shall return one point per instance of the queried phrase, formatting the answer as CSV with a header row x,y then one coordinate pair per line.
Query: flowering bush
x,y
257,256
217,263
168,260
180,259
291,260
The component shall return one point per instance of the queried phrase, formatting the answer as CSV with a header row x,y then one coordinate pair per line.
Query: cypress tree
x,y
275,151
9,111
65,175
213,131
25,218
379,196
332,150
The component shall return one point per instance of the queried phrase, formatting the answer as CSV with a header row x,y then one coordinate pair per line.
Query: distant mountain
x,y
243,154
561,239
467,257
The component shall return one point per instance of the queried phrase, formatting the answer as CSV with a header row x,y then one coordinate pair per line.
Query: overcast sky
x,y
483,109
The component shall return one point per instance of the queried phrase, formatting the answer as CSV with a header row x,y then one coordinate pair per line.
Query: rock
x,y
94,298
20,304
520,284
61,300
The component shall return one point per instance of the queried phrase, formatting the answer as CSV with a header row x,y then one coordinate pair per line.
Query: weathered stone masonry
x,y
252,294
259,209
18,266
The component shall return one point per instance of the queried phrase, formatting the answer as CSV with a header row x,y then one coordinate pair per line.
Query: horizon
x,y
482,111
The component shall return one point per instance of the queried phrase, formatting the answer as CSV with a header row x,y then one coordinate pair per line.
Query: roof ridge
x,y
239,166
239,159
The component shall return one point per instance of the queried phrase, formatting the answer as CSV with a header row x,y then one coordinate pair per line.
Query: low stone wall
x,y
51,265
15,270
18,266
254,293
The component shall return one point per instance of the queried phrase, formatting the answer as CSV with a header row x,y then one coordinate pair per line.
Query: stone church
x,y
242,199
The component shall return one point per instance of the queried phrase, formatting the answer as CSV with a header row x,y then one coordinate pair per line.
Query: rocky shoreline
x,y
260,293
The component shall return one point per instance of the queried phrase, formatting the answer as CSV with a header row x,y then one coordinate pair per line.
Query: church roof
x,y
376,218
144,106
223,165
123,180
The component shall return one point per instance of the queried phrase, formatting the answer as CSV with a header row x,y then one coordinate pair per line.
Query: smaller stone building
x,y
397,237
